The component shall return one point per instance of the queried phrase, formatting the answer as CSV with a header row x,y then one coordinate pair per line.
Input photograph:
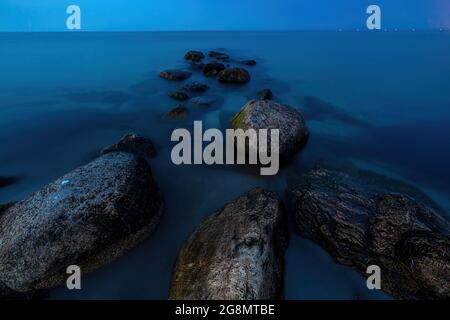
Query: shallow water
x,y
378,101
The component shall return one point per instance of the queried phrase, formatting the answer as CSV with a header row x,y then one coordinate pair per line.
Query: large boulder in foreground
x,y
88,218
234,76
175,75
361,225
237,253
266,114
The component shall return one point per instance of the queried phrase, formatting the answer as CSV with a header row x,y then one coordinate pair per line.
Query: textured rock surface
x,y
179,112
234,75
265,114
88,217
361,226
237,253
178,95
194,55
134,144
175,75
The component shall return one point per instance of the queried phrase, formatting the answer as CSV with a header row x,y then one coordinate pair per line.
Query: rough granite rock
x,y
179,112
88,218
178,95
360,226
132,143
236,253
175,75
194,55
195,87
234,75
213,68
266,114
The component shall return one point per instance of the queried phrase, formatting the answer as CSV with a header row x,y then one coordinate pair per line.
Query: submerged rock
x,y
194,55
234,75
218,55
132,143
249,62
197,65
266,114
362,226
178,95
195,87
203,101
87,218
7,181
212,69
265,94
175,75
236,253
179,112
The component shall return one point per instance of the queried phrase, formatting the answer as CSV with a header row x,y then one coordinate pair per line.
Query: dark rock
x,y
178,95
249,62
195,87
234,75
87,218
134,144
237,253
265,94
202,102
7,181
194,55
178,112
213,68
218,55
6,294
266,114
361,226
175,75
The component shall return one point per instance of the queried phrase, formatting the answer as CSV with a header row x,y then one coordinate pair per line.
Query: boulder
x,y
195,87
178,95
265,94
218,55
132,143
236,254
361,225
175,75
212,69
179,112
234,75
194,55
266,114
87,218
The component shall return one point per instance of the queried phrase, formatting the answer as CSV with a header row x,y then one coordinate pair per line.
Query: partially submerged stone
x,y
88,218
179,112
175,75
237,253
234,75
360,226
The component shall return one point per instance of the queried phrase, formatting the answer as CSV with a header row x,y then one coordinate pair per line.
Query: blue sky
x,y
161,15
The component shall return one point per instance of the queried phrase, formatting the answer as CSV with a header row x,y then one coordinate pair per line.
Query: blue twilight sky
x,y
127,15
